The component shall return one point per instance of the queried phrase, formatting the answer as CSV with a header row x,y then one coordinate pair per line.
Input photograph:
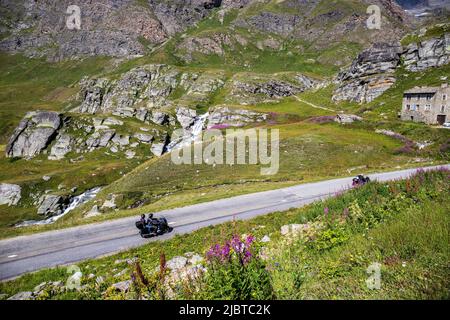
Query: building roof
x,y
423,90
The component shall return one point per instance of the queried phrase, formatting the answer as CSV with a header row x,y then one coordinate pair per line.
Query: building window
x,y
442,108
444,97
429,96
408,107
427,107
408,97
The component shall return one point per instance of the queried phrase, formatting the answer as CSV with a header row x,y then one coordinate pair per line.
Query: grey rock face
x,y
364,89
10,194
33,134
232,4
151,83
222,115
279,23
158,149
100,139
380,58
51,205
61,147
108,27
112,122
159,117
207,46
122,140
94,91
271,88
186,117
427,54
177,15
145,138
370,74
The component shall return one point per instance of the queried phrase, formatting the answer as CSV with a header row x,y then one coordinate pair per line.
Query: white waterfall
x,y
74,203
191,134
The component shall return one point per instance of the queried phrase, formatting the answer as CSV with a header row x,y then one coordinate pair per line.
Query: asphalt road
x,y
61,247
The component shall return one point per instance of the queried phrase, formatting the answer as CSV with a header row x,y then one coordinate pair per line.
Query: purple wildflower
x,y
249,240
247,256
237,244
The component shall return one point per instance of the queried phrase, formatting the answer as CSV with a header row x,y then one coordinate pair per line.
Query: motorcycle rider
x,y
143,221
153,222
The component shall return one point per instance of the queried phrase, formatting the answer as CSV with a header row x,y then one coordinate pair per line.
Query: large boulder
x,y
100,139
10,194
144,138
34,133
51,205
159,117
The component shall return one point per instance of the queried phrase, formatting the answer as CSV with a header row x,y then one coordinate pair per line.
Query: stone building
x,y
430,105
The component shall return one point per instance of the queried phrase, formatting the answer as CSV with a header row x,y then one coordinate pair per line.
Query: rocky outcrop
x,y
178,15
233,4
364,89
52,205
62,146
373,71
347,118
149,85
379,59
144,138
108,27
33,134
99,139
271,88
10,194
427,54
251,89
370,74
223,116
278,23
158,149
94,91
186,117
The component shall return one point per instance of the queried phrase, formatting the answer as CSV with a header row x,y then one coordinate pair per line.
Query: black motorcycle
x,y
156,228
360,180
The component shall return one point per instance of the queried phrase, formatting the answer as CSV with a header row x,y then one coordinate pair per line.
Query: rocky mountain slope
x,y
127,28
193,65
116,28
373,71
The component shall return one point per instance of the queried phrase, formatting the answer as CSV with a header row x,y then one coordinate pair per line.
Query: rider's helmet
x,y
143,216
